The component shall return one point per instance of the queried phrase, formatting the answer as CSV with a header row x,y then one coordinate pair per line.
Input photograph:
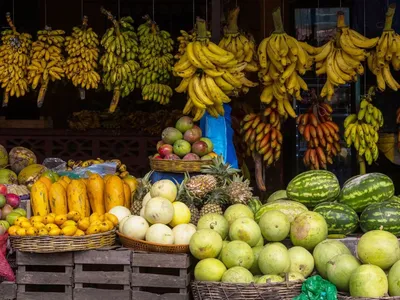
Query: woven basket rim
x,y
151,243
285,283
182,161
65,237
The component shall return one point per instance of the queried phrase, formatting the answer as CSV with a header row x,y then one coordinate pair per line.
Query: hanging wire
x,y
119,9
283,12
45,12
206,11
340,3
236,3
13,11
154,18
365,34
264,16
82,13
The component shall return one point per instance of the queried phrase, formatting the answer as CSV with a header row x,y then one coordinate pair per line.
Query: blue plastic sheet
x,y
219,131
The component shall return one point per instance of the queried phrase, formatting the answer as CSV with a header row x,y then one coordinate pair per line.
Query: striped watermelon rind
x,y
381,216
360,191
341,218
290,208
313,187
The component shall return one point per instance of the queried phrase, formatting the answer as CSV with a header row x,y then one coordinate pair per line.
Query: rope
x,y
194,17
13,10
206,11
119,9
45,12
82,13
154,18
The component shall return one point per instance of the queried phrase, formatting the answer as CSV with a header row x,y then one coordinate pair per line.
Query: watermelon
x,y
313,187
290,208
341,218
278,195
360,191
381,216
254,204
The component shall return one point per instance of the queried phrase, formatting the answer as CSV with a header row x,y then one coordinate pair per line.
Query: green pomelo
x,y
215,222
237,253
237,275
254,269
339,270
237,211
274,225
274,259
301,261
205,243
246,230
209,269
368,281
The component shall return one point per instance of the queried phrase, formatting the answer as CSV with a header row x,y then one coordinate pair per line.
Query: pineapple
x,y
221,171
143,188
200,185
239,190
185,197
215,202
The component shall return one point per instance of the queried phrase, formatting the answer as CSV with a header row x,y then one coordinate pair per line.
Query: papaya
x,y
40,199
58,199
114,193
106,177
46,181
95,188
63,183
127,194
77,198
87,198
66,179
133,184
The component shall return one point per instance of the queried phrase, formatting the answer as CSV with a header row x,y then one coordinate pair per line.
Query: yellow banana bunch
x,y
243,47
361,129
262,134
156,61
83,54
185,38
341,59
14,60
282,60
47,60
387,53
209,75
118,62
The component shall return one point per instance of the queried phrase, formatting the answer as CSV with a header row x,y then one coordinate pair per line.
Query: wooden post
x,y
216,20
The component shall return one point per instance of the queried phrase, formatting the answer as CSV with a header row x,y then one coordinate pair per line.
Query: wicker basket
x,y
203,290
342,296
51,244
177,166
140,245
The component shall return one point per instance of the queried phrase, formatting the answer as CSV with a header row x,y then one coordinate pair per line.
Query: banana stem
x,y
389,17
42,93
201,28
111,18
6,97
85,22
258,172
10,22
278,24
340,20
232,21
361,162
115,100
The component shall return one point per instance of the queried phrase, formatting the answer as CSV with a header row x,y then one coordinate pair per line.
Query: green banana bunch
x,y
118,62
157,92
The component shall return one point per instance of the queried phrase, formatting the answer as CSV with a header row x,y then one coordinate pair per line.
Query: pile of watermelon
x,y
364,201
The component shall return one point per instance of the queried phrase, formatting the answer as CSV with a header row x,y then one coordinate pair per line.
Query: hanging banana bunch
x,y
243,47
83,54
119,65
361,129
209,74
282,58
387,53
341,58
47,60
185,38
156,61
14,60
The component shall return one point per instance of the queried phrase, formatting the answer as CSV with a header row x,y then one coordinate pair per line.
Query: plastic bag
x,y
55,164
6,273
219,131
317,288
101,169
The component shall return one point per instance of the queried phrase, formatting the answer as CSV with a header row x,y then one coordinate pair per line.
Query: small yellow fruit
x,y
94,217
60,219
25,224
104,227
32,231
69,230
95,223
112,218
50,227
84,224
55,231
79,233
102,218
93,230
13,230
49,219
38,225
110,224
21,232
36,219
19,221
74,215
68,223
66,179
43,231
52,214
181,214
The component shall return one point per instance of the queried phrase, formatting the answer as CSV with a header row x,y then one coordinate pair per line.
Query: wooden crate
x,y
44,276
102,274
161,276
8,290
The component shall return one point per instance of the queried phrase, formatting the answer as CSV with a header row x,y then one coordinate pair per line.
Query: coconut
x,y
29,175
20,158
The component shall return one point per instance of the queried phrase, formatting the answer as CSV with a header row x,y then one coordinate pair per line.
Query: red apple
x,y
159,144
164,150
3,189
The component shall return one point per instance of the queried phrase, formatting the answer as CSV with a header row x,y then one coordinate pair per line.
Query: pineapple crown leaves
x,y
217,196
184,195
221,170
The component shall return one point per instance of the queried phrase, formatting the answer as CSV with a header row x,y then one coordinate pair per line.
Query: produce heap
x,y
83,54
120,167
14,60
119,65
156,60
47,60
